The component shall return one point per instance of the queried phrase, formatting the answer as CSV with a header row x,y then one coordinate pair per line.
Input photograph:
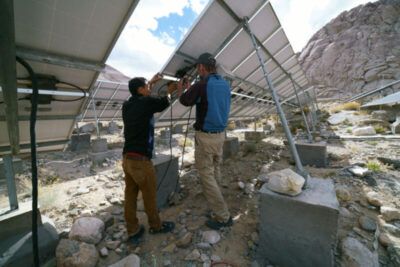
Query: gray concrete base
x,y
301,230
100,157
18,221
231,147
99,145
313,154
167,175
17,167
80,142
17,250
178,129
254,136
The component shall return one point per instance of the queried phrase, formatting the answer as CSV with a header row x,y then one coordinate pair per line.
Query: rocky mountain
x,y
356,52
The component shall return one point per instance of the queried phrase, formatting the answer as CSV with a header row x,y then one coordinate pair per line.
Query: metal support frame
x,y
42,117
8,80
95,117
42,144
365,94
10,177
310,139
109,100
281,114
60,60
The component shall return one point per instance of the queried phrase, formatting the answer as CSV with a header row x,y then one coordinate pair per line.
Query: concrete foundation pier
x,y
313,154
80,142
167,177
301,230
231,147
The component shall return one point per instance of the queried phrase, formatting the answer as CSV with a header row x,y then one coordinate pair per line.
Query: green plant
x,y
379,129
374,166
372,143
349,130
346,106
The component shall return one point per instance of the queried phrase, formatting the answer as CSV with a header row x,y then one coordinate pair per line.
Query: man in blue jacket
x,y
212,97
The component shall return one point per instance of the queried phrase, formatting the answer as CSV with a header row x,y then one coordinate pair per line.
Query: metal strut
x,y
281,114
310,139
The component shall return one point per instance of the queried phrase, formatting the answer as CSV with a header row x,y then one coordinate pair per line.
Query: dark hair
x,y
135,83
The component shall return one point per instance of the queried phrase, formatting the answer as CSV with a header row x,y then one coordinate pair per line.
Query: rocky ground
x,y
85,203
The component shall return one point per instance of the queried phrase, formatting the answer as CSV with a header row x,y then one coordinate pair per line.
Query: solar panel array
x,y
219,30
71,41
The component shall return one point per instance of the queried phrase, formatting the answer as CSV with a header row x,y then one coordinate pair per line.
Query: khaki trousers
x,y
208,157
140,175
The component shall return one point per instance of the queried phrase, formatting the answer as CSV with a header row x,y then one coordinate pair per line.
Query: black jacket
x,y
137,114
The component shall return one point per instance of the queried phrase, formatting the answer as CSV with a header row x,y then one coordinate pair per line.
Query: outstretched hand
x,y
156,78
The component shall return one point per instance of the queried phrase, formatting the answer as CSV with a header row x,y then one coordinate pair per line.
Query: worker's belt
x,y
211,132
136,156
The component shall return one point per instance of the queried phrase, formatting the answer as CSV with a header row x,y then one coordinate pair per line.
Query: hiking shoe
x,y
216,225
166,227
136,239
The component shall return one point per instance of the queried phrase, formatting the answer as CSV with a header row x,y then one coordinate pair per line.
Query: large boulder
x,y
87,128
71,253
355,254
285,182
87,229
355,52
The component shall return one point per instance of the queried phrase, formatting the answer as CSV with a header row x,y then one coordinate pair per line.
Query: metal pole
x,y
95,117
313,112
11,188
288,134
310,139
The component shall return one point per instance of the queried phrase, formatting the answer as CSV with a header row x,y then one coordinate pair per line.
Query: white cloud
x,y
301,19
138,51
197,5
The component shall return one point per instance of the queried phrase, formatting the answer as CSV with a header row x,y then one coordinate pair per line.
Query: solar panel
x,y
71,41
219,30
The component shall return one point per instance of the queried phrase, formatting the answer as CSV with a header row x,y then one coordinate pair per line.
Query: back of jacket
x,y
137,114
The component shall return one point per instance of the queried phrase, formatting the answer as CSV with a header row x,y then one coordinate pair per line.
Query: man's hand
x,y
183,84
172,86
155,78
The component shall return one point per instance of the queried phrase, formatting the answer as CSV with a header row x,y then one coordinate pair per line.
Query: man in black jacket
x,y
137,114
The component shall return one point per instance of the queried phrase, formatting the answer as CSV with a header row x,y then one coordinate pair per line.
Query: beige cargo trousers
x,y
208,158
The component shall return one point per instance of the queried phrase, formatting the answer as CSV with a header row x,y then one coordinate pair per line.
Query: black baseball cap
x,y
206,59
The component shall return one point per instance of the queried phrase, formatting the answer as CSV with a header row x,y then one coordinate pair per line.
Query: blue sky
x,y
157,26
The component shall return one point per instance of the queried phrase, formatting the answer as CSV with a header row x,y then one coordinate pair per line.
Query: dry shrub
x,y
346,106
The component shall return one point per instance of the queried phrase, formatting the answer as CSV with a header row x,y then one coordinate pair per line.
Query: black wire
x,y
170,153
34,102
183,149
71,100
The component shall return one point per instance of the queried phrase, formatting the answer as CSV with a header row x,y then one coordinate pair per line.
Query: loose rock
x,y
390,214
285,182
367,223
87,229
357,255
193,256
130,261
343,194
211,237
373,199
184,241
71,253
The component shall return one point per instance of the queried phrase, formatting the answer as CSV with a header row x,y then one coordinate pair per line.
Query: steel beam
x,y
60,60
42,144
42,117
10,177
8,81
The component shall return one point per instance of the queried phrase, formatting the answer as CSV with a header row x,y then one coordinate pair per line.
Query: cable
x,y
71,100
183,148
170,153
34,103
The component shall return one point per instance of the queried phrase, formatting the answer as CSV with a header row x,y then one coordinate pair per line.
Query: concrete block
x,y
17,166
301,230
167,175
21,254
254,136
99,145
313,154
113,127
18,221
165,134
178,129
231,147
80,142
100,157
